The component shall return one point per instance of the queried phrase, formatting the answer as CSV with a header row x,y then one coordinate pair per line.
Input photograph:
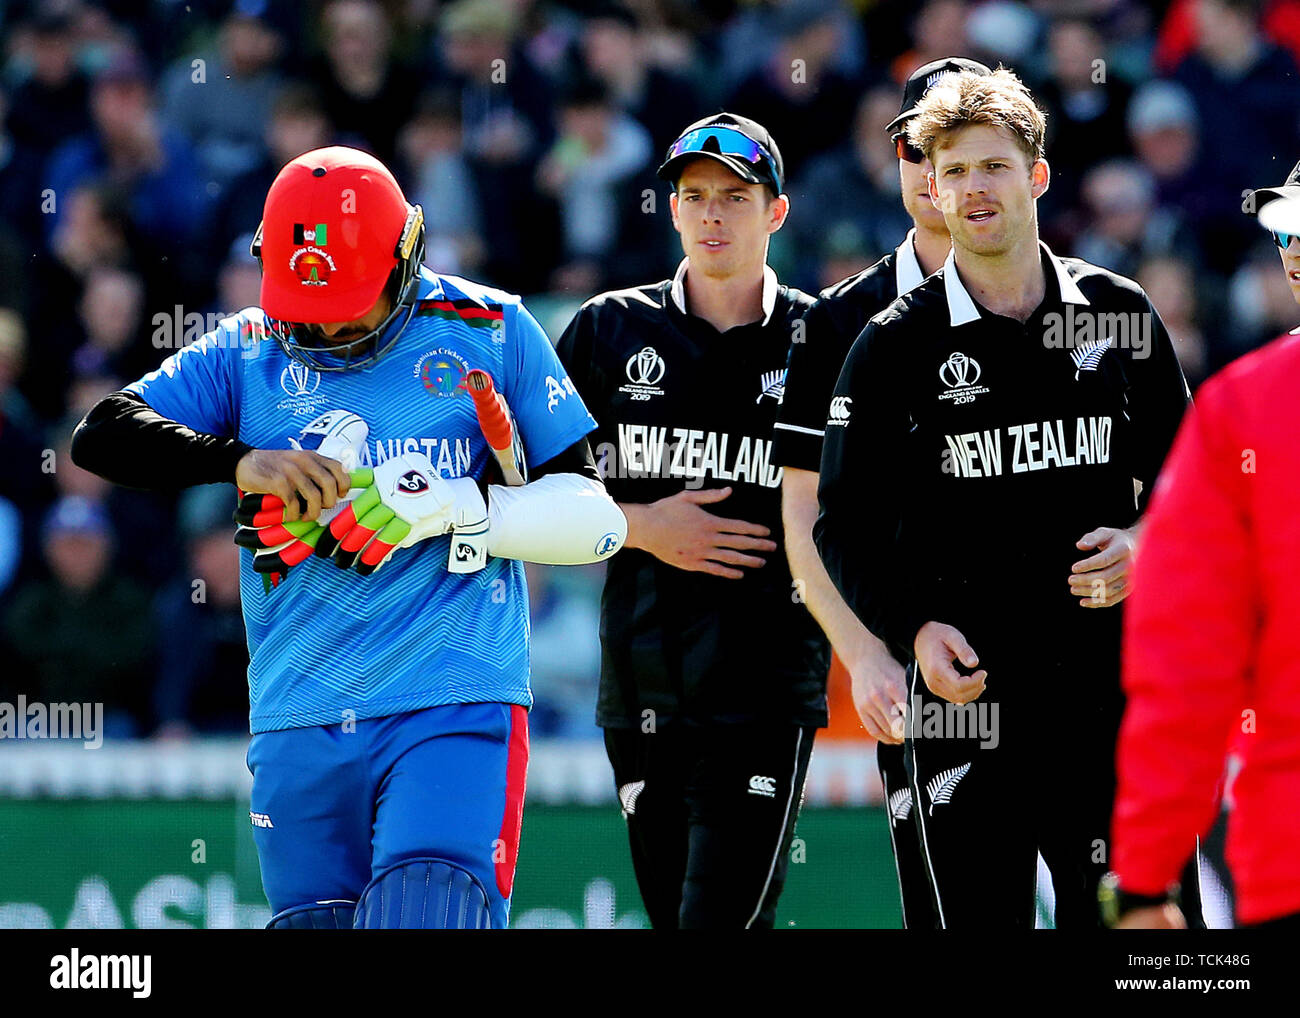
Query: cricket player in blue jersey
x,y
388,681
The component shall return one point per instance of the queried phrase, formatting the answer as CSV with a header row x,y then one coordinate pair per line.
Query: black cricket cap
x,y
753,173
926,77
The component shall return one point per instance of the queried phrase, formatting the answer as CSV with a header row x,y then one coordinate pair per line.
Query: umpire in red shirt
x,y
1209,645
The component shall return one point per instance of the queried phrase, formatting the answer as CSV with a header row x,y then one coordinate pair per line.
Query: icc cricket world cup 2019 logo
x,y
960,375
645,369
959,370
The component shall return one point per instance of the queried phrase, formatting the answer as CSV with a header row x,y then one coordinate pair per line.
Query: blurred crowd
x,y
138,140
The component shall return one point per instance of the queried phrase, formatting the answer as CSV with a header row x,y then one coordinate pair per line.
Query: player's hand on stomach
x,y
304,481
880,696
678,531
936,646
1102,580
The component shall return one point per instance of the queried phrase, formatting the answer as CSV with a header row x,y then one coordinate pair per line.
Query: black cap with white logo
x,y
925,78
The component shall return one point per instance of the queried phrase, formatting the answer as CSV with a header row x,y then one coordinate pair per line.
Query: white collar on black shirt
x,y
907,269
770,286
961,306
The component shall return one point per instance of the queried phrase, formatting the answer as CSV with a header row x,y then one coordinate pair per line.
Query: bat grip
x,y
491,418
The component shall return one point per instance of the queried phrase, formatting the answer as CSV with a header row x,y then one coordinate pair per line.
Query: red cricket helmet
x,y
336,230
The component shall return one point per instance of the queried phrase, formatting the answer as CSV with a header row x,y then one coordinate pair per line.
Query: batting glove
x,y
278,546
407,503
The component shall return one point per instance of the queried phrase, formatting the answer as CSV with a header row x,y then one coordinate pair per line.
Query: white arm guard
x,y
557,520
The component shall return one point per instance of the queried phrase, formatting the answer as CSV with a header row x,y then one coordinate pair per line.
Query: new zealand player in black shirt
x,y
713,672
979,514
830,327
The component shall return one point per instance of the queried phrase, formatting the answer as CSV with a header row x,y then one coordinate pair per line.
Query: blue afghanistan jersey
x,y
327,644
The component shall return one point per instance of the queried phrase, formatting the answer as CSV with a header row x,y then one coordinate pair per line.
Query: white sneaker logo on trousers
x,y
942,784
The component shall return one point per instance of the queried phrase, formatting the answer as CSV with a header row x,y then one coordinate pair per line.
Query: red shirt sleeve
x,y
1189,632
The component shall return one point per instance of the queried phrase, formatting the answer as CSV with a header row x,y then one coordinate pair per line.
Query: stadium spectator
x,y
751,34
854,189
798,85
53,103
297,124
202,649
1086,108
1209,640
1004,32
598,151
20,213
111,312
506,119
1170,282
1181,29
221,101
23,484
1164,131
366,93
143,523
83,635
938,29
1124,223
1244,86
239,282
141,153
615,52
432,147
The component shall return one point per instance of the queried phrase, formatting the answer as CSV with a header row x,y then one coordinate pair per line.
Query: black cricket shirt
x,y
967,452
680,405
831,325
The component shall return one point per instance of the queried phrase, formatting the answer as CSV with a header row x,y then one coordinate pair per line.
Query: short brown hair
x,y
960,100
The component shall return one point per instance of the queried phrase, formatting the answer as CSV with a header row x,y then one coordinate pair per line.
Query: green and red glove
x,y
406,503
278,545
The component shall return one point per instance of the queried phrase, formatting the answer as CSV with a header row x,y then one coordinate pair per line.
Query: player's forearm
x,y
852,641
126,441
639,518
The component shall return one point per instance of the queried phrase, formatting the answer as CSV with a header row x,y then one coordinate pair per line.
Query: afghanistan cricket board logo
x,y
310,262
442,372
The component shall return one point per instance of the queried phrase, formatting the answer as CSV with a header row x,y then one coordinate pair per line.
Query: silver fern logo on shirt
x,y
1088,357
772,383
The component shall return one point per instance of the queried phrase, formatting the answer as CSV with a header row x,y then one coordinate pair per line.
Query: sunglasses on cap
x,y
728,142
1283,240
905,150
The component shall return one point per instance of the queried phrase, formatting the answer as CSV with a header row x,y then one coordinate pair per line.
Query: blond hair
x,y
961,100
